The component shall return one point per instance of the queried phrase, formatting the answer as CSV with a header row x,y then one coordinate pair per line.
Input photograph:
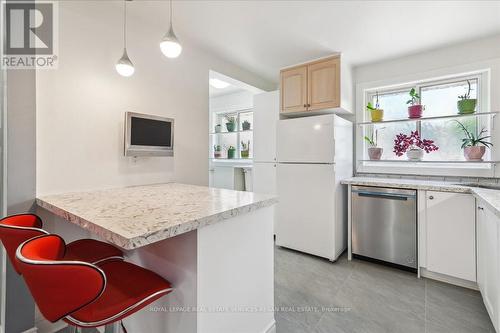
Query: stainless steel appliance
x,y
384,225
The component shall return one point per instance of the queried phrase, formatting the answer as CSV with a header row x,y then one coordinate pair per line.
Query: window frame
x,y
459,169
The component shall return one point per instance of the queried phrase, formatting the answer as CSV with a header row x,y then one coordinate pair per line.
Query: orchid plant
x,y
403,143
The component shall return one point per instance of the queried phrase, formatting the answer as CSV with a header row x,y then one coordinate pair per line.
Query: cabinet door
x,y
451,247
323,80
489,263
294,89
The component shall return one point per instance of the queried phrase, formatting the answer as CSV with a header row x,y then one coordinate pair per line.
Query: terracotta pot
x,y
415,111
474,153
375,153
415,154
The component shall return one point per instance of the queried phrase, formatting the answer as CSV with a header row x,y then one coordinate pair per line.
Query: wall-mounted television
x,y
148,135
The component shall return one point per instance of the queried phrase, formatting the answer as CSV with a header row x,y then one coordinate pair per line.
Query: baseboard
x,y
271,328
31,330
448,279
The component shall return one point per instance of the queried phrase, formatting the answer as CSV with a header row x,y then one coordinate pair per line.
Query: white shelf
x,y
428,118
427,161
247,131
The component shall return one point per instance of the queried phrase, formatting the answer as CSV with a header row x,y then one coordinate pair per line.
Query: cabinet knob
x,y
431,197
480,208
305,105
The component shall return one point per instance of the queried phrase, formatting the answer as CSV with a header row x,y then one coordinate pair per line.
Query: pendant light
x,y
170,45
124,66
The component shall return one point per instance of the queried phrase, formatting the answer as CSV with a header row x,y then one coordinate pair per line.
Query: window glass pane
x,y
393,104
441,100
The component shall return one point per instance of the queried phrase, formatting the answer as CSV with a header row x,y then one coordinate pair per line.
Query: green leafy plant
x,y
373,138
230,119
472,140
414,97
467,95
217,148
370,106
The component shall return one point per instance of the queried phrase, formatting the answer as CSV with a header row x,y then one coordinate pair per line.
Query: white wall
x,y
81,105
461,58
231,102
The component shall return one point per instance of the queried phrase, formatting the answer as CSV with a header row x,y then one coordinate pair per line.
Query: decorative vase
x,y
230,127
467,106
474,153
377,115
375,153
230,152
415,154
415,111
246,126
218,128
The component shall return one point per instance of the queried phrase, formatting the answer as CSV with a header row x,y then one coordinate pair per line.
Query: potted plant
x,y
413,145
246,125
218,128
230,123
245,149
374,152
217,151
376,113
465,104
415,109
474,146
231,151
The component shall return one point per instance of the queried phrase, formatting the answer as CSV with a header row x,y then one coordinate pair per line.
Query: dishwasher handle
x,y
382,195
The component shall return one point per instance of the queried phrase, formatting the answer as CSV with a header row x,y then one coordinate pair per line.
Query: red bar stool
x,y
16,229
112,290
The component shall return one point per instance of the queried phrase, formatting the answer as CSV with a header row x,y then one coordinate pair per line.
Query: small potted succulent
x,y
465,104
374,152
246,125
230,123
376,113
245,149
231,151
415,109
474,145
217,151
218,128
413,145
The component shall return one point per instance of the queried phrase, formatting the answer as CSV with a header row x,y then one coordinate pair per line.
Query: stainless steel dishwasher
x,y
384,225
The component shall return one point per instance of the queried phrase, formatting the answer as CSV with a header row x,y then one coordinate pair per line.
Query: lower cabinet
x,y
450,234
488,254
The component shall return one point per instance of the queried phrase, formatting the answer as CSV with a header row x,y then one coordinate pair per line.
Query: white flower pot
x,y
415,154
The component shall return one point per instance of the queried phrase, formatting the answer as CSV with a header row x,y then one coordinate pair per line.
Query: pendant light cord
x,y
171,14
124,24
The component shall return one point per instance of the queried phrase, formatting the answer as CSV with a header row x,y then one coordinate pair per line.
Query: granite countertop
x,y
136,216
491,197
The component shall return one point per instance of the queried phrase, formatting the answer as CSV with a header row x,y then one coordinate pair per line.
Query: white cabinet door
x,y
451,248
488,261
223,177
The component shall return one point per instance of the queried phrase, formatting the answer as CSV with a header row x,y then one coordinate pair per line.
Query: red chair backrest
x,y
16,229
58,287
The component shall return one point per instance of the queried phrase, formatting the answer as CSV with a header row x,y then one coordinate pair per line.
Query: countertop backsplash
x,y
480,180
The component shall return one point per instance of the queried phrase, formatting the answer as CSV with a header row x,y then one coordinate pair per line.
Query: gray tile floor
x,y
314,295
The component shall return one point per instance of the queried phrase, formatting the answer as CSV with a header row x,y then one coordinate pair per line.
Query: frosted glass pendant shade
x,y
170,45
124,66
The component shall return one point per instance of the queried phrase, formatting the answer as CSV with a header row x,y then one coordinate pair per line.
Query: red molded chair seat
x,y
129,288
16,229
81,293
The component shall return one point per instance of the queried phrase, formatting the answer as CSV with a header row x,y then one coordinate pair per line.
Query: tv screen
x,y
150,132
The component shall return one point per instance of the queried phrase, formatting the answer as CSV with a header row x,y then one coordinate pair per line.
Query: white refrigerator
x,y
314,155
265,118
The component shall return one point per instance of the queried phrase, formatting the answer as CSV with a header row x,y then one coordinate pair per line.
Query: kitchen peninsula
x,y
214,245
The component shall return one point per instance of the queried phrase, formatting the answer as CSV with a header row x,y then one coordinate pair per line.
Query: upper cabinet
x,y
312,87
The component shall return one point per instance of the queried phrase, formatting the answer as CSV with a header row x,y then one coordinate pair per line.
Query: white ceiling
x,y
264,36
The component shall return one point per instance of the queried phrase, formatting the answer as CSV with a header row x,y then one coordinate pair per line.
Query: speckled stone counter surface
x,y
136,216
489,196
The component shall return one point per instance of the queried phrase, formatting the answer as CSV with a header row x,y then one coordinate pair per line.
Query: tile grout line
x,y
338,290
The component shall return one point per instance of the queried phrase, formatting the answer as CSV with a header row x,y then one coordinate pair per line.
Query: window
x,y
440,99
